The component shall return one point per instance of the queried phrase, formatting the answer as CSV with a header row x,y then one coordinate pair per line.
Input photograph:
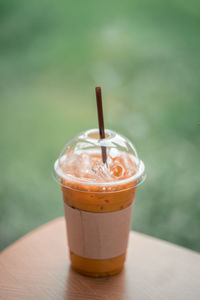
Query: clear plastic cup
x,y
98,199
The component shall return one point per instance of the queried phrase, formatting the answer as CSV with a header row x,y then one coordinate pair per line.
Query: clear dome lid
x,y
80,162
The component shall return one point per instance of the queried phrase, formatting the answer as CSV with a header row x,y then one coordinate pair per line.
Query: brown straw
x,y
101,122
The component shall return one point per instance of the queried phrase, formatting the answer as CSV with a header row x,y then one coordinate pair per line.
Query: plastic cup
x,y
98,209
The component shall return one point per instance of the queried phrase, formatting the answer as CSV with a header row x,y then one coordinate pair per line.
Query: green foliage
x,y
145,55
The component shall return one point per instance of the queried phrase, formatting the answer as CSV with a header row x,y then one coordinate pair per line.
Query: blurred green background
x,y
146,57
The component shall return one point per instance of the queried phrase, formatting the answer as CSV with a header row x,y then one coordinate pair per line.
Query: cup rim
x,y
137,178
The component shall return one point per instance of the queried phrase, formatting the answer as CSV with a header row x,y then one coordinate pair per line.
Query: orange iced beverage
x,y
98,200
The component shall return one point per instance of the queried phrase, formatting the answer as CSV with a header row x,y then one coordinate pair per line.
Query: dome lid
x,y
80,162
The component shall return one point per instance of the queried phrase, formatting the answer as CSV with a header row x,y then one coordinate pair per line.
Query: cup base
x,y
97,267
97,275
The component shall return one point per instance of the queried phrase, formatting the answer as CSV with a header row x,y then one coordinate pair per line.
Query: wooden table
x,y
37,267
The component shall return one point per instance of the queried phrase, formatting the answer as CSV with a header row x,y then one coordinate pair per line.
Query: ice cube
x,y
101,172
117,170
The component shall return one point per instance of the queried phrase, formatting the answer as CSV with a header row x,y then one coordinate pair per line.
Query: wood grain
x,y
37,267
